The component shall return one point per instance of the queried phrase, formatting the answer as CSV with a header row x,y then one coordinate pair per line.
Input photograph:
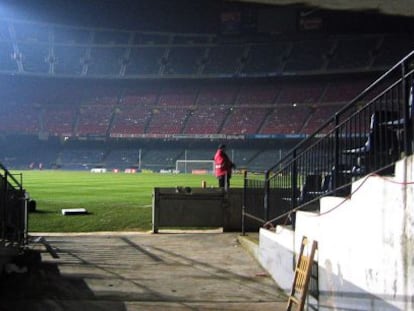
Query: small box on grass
x,y
74,211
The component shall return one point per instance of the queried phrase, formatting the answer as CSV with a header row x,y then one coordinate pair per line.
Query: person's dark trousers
x,y
224,182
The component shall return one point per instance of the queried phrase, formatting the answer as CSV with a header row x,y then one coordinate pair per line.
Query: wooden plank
x,y
302,276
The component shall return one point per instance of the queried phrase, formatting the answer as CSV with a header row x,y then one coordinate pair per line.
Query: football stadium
x,y
112,114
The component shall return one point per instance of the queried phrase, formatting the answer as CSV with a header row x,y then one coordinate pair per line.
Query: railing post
x,y
410,116
3,196
266,198
336,155
294,182
244,203
407,88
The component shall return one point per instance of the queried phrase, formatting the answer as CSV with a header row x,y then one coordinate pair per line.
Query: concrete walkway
x,y
166,271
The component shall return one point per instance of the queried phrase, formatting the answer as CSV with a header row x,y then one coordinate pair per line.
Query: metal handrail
x,y
13,209
367,135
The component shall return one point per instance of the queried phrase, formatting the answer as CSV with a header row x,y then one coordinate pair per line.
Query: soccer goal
x,y
195,166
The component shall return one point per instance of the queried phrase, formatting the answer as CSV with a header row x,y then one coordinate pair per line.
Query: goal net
x,y
195,166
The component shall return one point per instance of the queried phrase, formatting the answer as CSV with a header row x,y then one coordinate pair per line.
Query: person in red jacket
x,y
223,167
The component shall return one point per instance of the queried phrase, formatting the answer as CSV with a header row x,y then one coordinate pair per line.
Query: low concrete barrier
x,y
185,207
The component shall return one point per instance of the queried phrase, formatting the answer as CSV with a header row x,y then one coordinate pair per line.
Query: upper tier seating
x,y
265,58
142,38
343,91
166,120
69,60
353,53
301,92
140,96
50,49
7,54
33,32
217,95
71,35
265,94
59,120
244,120
130,120
4,31
111,37
308,55
144,60
184,60
319,116
223,59
106,60
205,119
392,49
94,120
286,119
20,118
177,97
34,57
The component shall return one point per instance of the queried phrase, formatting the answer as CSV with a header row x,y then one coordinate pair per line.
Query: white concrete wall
x,y
365,245
276,255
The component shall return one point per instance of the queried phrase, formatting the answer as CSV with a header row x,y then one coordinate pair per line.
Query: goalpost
x,y
195,166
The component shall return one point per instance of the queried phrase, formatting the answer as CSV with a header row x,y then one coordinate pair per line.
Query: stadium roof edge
x,y
400,7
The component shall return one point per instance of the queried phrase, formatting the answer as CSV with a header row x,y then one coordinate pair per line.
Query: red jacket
x,y
222,163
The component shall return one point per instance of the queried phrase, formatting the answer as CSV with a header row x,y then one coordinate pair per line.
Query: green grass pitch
x,y
114,201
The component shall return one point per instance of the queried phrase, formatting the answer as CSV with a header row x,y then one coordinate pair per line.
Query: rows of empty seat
x,y
205,119
94,120
167,120
216,95
133,121
59,120
286,120
19,119
198,109
69,51
177,97
244,120
130,120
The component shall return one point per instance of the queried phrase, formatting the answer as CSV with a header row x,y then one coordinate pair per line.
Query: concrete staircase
x,y
365,245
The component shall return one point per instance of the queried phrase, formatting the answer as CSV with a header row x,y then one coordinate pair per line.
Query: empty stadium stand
x,y
197,109
58,50
130,120
205,119
275,122
59,120
244,120
167,120
184,60
265,59
90,82
94,120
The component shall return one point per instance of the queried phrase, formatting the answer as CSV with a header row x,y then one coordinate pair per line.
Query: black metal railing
x,y
368,135
13,209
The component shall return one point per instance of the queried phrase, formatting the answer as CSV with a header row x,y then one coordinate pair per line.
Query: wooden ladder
x,y
302,276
